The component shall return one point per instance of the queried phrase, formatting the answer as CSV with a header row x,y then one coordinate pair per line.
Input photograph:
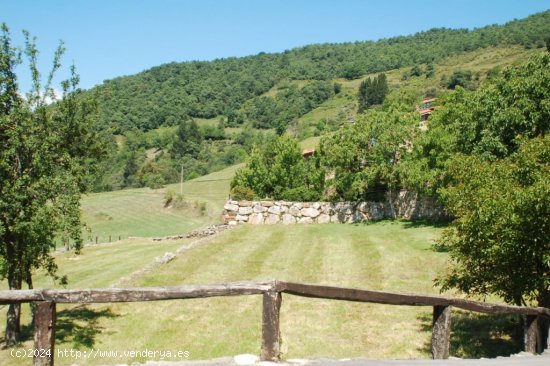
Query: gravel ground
x,y
519,359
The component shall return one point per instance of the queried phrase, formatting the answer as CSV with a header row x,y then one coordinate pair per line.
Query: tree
x,y
188,139
461,78
278,170
47,155
487,122
486,155
499,240
430,70
416,71
352,71
364,156
372,92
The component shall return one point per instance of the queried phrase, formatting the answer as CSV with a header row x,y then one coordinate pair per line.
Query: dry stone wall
x,y
403,205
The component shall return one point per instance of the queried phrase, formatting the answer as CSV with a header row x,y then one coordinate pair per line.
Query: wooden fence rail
x,y
45,316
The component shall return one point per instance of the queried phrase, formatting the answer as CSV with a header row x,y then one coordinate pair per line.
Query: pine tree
x,y
372,92
362,96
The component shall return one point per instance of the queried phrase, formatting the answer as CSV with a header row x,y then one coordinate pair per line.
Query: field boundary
x,y
167,257
536,318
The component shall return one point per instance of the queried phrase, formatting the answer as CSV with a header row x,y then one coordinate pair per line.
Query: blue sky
x,y
109,38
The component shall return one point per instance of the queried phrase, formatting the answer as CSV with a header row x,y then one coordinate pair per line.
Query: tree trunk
x,y
13,324
28,280
390,198
544,323
13,318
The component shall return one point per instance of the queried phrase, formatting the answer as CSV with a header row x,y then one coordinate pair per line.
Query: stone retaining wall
x,y
404,205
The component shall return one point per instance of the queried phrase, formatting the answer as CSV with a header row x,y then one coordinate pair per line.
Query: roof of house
x,y
425,111
308,152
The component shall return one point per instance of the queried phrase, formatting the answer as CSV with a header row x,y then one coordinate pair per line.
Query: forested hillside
x,y
164,94
189,119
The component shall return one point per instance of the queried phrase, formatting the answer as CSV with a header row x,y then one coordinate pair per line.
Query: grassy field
x,y
141,212
389,256
97,266
394,256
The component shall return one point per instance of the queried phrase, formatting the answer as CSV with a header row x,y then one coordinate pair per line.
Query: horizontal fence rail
x,y
45,311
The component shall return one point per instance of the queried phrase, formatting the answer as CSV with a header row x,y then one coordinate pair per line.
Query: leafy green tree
x,y
188,139
48,151
288,105
364,157
485,123
352,71
416,71
430,70
278,170
499,240
463,78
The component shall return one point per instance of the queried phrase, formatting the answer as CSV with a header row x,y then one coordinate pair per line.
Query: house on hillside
x,y
306,153
425,110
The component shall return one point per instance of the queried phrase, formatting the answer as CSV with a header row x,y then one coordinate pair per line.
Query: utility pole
x,y
181,180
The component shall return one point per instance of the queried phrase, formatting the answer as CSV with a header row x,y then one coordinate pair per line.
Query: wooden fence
x,y
46,300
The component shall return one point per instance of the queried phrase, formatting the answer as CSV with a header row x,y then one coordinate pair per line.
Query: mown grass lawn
x,y
142,212
97,266
393,256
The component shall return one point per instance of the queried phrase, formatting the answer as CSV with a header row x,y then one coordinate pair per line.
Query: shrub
x,y
201,206
300,194
168,197
153,180
176,200
242,193
192,175
179,201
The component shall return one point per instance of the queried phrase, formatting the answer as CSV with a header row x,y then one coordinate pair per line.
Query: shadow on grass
x,y
413,224
407,224
80,325
476,335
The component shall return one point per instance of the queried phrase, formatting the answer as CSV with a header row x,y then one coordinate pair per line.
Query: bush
x,y
192,175
463,78
176,200
168,197
153,180
179,202
300,194
242,193
201,206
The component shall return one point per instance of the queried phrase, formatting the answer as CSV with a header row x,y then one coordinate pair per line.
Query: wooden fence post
x,y
441,332
44,333
531,333
544,332
271,336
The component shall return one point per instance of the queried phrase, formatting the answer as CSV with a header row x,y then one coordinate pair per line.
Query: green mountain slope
x,y
164,94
